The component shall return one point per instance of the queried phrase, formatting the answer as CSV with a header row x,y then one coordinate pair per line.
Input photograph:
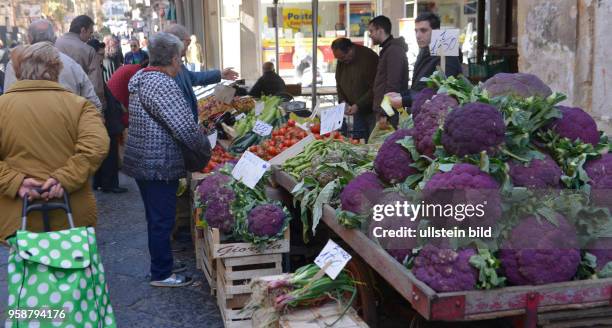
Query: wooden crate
x,y
226,250
204,261
321,317
234,274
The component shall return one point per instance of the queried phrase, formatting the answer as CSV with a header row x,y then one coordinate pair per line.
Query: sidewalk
x,y
122,240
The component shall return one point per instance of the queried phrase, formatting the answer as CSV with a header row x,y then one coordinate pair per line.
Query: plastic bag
x,y
379,134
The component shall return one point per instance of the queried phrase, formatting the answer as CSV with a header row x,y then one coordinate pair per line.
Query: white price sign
x,y
212,139
250,169
240,116
332,259
331,119
445,42
259,107
262,128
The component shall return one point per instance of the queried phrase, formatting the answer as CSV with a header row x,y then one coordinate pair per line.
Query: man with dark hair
x,y
355,74
392,70
73,44
425,64
136,55
269,84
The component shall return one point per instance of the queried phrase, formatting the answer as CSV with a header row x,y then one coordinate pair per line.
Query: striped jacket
x,y
151,152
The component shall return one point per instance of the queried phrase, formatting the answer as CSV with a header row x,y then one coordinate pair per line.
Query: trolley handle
x,y
45,207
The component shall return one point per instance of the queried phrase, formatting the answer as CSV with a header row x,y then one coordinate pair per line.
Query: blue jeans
x,y
159,198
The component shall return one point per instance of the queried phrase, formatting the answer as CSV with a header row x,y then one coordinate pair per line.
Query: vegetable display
x,y
219,157
282,138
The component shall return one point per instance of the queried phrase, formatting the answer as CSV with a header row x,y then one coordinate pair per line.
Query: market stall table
x,y
468,305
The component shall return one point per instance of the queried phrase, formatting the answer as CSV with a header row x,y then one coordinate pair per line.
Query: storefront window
x,y
295,36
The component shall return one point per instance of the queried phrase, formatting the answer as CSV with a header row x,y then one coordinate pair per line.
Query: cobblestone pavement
x,y
122,240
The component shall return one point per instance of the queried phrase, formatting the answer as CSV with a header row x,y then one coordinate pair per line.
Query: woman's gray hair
x,y
163,47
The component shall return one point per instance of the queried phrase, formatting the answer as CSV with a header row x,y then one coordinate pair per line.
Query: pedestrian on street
x,y
51,139
98,69
426,64
187,79
160,122
269,84
136,55
107,176
72,77
355,74
392,70
113,56
73,44
194,56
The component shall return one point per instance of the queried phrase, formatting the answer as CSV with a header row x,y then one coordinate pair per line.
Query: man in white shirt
x,y
72,77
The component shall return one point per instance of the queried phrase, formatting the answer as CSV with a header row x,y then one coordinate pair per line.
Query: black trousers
x,y
107,176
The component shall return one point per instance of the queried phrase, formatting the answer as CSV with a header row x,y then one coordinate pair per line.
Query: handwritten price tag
x,y
212,139
262,128
259,107
332,259
250,169
331,119
445,42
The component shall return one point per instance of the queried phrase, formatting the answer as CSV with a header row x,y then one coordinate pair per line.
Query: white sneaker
x,y
175,280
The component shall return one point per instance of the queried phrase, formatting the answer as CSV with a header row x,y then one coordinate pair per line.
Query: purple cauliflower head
x,y
539,252
602,249
430,117
465,184
392,162
446,270
218,215
419,99
537,174
361,193
600,174
216,196
472,128
211,184
266,220
516,84
575,124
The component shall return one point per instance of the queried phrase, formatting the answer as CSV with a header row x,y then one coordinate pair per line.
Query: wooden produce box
x,y
322,317
204,261
234,274
226,250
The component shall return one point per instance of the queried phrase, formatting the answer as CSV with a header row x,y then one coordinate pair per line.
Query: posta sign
x,y
295,18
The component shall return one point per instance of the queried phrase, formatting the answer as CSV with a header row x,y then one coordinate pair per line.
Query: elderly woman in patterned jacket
x,y
160,121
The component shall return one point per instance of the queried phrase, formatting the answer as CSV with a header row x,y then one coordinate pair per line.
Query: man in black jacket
x,y
425,64
269,84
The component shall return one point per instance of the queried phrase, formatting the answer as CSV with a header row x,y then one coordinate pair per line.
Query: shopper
x,y
113,56
160,121
194,55
269,84
98,69
355,74
136,55
73,44
425,64
72,77
186,79
392,70
107,176
51,139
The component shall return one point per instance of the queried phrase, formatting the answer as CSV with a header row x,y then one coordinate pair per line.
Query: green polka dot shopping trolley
x,y
56,279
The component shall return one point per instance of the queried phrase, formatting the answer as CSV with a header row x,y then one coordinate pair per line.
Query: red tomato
x,y
315,128
291,123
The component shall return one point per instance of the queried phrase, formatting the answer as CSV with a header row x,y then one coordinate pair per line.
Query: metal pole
x,y
315,36
276,35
